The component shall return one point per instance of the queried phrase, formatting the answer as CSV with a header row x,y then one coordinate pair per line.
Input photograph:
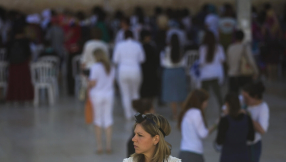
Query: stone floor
x,y
59,133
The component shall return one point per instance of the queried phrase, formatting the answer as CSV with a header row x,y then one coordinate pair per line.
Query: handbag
x,y
88,111
245,67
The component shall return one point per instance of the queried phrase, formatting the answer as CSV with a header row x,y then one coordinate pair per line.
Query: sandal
x,y
108,151
99,151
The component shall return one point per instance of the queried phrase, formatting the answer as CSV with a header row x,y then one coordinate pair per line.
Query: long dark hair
x,y
233,103
210,42
175,49
194,100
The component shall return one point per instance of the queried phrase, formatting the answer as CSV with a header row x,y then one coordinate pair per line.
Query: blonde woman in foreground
x,y
149,140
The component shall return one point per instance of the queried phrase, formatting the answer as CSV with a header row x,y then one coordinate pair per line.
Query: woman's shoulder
x,y
130,159
194,111
174,159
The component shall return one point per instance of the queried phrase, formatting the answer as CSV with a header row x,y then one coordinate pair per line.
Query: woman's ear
x,y
156,140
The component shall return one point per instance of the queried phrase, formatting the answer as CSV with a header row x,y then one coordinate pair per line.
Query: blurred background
x,y
47,63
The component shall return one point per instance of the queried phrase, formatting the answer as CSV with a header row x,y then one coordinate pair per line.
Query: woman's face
x,y
143,142
205,104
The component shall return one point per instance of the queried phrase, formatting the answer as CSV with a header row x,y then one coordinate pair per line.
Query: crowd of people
x,y
145,55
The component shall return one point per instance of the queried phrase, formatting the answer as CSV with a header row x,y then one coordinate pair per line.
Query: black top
x,y
224,124
149,87
18,50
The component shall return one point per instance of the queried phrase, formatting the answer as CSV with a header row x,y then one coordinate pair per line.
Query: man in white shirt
x,y
87,59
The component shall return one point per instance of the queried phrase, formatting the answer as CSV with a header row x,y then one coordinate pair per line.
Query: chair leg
x,y
51,95
36,96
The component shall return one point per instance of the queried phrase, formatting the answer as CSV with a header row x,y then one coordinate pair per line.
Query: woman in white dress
x,y
128,55
101,84
149,140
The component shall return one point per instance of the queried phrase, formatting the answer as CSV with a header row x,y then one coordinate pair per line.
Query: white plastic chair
x,y
4,76
2,54
55,61
190,57
41,75
76,74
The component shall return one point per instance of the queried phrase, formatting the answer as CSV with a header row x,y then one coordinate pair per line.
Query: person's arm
x,y
202,131
105,48
116,55
83,59
222,129
202,58
251,132
261,125
251,60
222,54
141,54
92,77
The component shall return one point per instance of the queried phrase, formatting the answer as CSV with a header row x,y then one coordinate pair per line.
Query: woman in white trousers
x,y
128,55
101,84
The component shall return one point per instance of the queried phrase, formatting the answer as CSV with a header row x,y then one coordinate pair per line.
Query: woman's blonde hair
x,y
163,148
100,56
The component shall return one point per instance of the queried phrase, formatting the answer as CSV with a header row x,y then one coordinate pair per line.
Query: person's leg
x,y
125,94
108,132
135,84
70,79
233,85
216,88
205,85
243,80
254,152
97,120
98,139
174,106
108,121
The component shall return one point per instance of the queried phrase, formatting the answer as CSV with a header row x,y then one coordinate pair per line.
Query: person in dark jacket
x,y
150,84
234,130
19,81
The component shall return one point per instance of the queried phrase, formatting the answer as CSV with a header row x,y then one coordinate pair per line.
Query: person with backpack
x,y
20,86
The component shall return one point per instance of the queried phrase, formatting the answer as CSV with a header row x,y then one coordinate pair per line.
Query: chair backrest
x,y
191,57
3,72
55,61
2,54
41,72
76,66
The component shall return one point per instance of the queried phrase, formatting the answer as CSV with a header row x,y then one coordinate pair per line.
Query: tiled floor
x,y
59,134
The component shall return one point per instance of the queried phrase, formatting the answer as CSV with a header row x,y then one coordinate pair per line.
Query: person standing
x,y
101,84
234,130
128,55
253,97
234,55
211,57
174,79
193,126
150,68
20,86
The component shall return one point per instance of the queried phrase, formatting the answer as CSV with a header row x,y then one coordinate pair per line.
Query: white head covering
x,y
47,14
33,19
